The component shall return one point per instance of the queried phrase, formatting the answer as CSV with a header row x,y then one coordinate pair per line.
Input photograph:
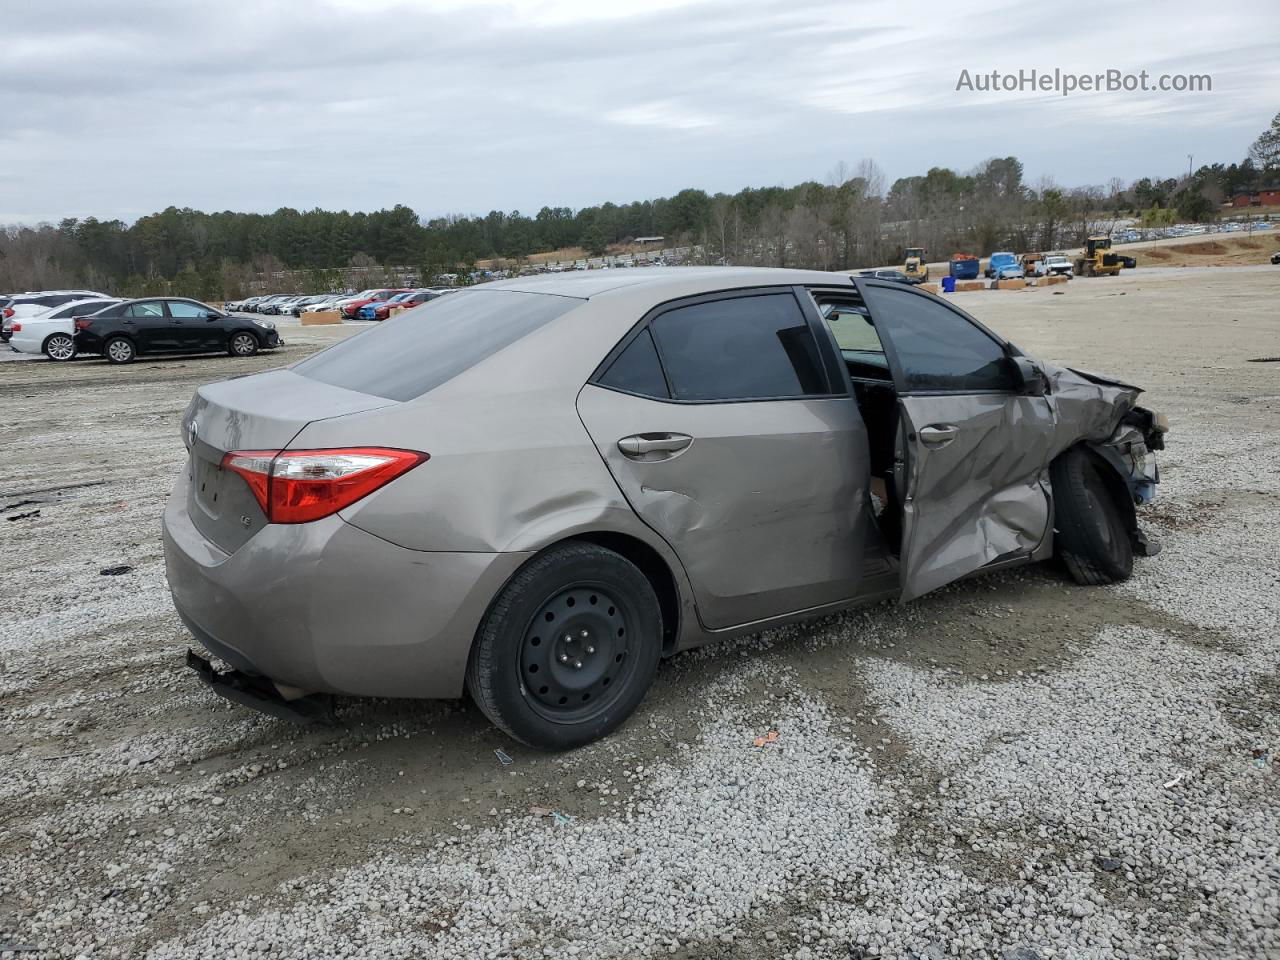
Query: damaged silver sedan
x,y
534,490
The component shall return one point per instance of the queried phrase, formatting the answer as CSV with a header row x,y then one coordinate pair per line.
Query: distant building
x,y
649,239
1266,197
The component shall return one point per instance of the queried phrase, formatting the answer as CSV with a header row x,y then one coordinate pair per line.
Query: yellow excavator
x,y
1098,260
915,268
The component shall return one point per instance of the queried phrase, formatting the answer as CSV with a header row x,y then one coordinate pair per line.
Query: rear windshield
x,y
420,349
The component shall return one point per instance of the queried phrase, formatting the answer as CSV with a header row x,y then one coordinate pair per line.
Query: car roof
x,y
682,281
160,296
103,302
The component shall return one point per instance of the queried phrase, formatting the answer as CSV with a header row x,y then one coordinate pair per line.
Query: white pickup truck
x,y
1057,263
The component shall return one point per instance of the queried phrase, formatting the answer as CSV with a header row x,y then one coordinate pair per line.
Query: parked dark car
x,y
171,325
893,276
273,306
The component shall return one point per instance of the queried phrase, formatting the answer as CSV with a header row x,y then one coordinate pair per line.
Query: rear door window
x,y
741,348
417,351
148,308
637,369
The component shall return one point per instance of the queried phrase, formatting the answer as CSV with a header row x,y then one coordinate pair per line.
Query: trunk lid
x,y
260,412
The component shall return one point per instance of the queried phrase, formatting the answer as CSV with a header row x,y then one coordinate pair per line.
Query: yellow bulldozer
x,y
1098,260
915,268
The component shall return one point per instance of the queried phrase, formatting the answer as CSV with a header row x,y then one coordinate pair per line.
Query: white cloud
x,y
118,109
660,113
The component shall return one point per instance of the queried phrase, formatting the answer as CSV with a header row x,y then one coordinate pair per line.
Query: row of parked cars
x,y
374,304
62,324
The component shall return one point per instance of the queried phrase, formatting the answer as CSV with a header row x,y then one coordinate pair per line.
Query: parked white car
x,y
1057,263
327,303
37,302
53,332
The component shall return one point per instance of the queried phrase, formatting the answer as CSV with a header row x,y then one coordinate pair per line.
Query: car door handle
x,y
647,444
938,435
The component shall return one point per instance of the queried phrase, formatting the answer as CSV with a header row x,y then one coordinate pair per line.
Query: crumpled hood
x,y
1088,406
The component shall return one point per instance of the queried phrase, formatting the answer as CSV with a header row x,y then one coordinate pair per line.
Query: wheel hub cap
x,y
574,649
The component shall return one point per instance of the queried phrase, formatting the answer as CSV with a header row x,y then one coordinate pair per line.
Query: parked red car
x,y
352,307
383,310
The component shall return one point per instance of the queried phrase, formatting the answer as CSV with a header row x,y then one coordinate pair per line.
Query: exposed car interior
x,y
864,357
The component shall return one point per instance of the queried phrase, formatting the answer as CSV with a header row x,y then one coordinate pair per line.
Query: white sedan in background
x,y
53,332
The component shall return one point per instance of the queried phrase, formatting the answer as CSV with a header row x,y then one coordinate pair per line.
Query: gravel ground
x,y
1014,767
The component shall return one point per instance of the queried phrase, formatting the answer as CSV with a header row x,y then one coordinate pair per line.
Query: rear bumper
x,y
326,607
260,694
20,343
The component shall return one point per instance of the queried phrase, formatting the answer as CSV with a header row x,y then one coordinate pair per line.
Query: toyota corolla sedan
x,y
534,490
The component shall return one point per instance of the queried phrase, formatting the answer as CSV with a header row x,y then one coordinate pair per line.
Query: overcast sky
x,y
123,108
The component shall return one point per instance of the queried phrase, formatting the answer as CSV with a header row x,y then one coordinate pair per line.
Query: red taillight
x,y
298,486
83,324
16,328
8,312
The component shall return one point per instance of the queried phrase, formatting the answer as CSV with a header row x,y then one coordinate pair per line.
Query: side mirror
x,y
1031,379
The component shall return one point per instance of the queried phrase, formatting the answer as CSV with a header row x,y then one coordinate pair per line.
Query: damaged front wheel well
x,y
1116,487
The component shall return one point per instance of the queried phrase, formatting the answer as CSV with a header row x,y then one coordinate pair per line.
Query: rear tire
x,y
60,347
1092,538
242,344
568,649
119,350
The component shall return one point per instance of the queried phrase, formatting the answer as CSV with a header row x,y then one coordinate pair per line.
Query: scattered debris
x,y
541,811
112,571
770,737
1260,756
1109,864
24,516
1264,359
505,760
1176,780
561,819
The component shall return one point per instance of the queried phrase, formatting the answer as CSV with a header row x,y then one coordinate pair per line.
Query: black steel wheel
x,y
575,649
569,647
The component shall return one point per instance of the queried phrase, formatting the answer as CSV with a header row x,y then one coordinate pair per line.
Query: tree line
x,y
851,219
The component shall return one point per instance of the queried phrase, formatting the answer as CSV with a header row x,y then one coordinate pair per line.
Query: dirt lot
x,y
1016,767
1221,250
